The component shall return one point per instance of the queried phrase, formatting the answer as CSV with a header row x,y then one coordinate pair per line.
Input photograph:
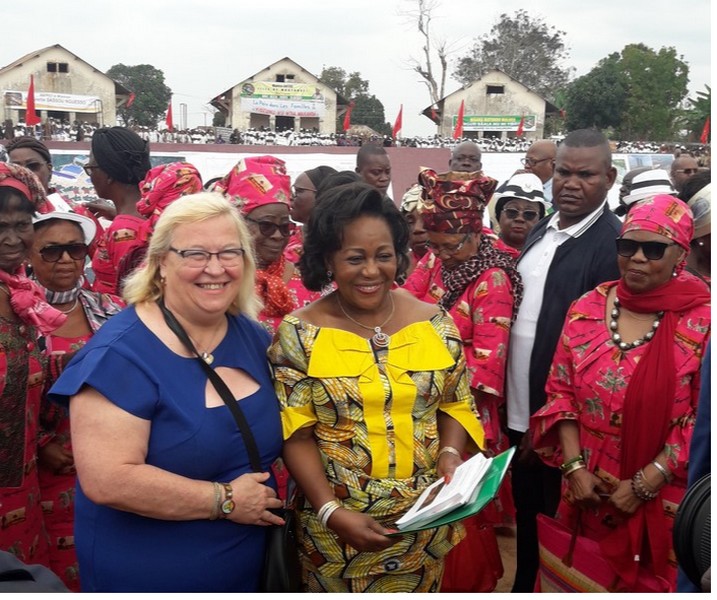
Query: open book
x,y
474,484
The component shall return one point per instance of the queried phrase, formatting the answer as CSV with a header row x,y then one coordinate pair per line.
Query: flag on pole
x,y
130,100
434,114
519,131
170,125
458,131
398,124
31,118
704,138
347,116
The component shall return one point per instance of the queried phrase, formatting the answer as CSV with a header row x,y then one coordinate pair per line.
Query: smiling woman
x,y
142,411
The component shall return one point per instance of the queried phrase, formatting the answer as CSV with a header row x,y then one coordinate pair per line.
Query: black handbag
x,y
282,569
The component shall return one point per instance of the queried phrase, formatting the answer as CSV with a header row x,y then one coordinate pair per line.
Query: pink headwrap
x,y
161,186
256,181
662,214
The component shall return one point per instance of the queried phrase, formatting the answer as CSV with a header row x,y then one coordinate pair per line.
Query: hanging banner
x,y
282,99
53,101
497,123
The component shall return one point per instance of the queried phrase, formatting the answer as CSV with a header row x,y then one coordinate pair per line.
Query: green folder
x,y
489,488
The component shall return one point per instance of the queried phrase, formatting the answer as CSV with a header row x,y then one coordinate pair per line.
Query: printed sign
x,y
284,99
497,123
53,101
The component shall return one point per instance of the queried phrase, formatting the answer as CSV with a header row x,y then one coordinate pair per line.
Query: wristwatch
x,y
228,505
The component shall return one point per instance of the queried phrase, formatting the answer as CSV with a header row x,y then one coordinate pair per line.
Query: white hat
x,y
647,184
701,205
88,226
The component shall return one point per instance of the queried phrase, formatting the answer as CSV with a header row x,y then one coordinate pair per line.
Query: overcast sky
x,y
206,47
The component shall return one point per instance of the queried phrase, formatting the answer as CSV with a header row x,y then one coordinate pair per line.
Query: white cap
x,y
88,226
648,184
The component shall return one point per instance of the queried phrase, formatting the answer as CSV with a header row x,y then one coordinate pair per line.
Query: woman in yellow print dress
x,y
375,402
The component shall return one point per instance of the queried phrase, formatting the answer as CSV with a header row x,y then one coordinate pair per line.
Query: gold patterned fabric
x,y
374,418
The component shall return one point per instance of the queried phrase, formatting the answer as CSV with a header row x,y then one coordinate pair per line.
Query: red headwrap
x,y
256,181
454,201
162,186
25,182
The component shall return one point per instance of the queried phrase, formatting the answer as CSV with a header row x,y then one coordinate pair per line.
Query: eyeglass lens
x,y
528,215
54,253
651,250
267,228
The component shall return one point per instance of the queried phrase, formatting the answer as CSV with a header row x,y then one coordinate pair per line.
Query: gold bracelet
x,y
448,450
214,515
567,463
576,466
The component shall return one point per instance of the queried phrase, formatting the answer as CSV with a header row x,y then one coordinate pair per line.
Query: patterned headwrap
x,y
25,182
662,214
454,201
256,181
412,199
162,186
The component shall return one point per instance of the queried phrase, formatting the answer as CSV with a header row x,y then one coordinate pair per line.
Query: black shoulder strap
x,y
219,385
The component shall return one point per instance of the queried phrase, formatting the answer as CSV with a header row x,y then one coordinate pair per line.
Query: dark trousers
x,y
536,489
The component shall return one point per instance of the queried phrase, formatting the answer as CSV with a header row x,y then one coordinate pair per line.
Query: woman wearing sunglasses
x,y
518,209
623,391
57,255
260,188
481,289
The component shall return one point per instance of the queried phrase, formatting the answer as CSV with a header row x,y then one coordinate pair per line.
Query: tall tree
x,y
636,92
151,93
696,113
525,48
368,110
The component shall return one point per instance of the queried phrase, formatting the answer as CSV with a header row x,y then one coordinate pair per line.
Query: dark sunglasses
x,y
528,215
650,250
54,253
267,228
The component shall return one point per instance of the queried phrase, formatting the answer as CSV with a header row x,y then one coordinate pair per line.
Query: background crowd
x,y
367,346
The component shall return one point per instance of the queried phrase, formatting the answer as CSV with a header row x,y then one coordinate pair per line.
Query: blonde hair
x,y
145,284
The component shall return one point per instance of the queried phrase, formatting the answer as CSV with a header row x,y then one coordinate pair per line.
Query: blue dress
x,y
124,552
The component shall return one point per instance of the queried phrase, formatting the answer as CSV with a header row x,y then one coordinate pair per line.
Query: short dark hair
x,y
589,138
336,208
337,179
694,184
369,150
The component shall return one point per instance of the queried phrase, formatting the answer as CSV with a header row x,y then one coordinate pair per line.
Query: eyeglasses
x,y
687,171
447,249
531,162
298,190
55,252
88,169
267,228
528,215
650,250
198,259
33,166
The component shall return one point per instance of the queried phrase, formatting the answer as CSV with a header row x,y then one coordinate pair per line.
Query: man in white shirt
x,y
565,256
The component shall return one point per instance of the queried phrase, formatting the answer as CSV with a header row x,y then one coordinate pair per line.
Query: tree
x,y
423,16
598,98
525,48
368,110
151,93
636,92
696,113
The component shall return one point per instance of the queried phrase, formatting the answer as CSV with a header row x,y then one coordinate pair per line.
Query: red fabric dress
x,y
587,384
482,315
119,238
22,531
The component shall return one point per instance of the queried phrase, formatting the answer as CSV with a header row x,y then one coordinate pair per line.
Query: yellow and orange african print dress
x,y
375,423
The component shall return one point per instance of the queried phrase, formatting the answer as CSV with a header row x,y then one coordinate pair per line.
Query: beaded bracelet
x,y
665,473
567,463
217,502
576,466
640,489
448,450
326,511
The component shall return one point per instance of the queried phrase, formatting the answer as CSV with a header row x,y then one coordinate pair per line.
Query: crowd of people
x,y
163,378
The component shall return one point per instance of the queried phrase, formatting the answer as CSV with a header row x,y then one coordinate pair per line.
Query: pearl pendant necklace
x,y
617,339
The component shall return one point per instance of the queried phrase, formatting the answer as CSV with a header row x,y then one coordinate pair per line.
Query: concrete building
x,y
284,95
66,88
494,106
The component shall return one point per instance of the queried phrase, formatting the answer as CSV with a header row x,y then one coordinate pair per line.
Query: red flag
x,y
31,118
705,132
434,114
398,124
170,125
130,100
519,131
458,131
347,116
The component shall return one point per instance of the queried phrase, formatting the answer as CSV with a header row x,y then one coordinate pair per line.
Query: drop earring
x,y
329,274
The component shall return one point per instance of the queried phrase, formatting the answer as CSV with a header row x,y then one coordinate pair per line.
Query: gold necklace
x,y
69,310
379,338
